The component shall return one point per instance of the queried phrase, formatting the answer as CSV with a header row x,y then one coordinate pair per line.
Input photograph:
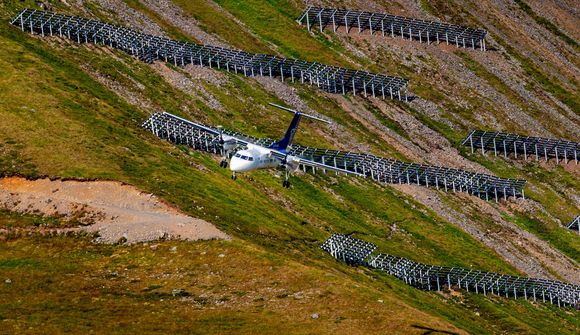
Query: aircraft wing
x,y
305,162
388,170
197,135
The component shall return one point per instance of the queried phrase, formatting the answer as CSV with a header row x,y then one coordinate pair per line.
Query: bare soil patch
x,y
114,210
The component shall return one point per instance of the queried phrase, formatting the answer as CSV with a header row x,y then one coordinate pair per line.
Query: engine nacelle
x,y
229,143
292,163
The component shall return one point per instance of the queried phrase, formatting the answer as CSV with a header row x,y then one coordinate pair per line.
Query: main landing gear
x,y
286,182
224,163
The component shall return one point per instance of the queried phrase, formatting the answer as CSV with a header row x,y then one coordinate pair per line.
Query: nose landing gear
x,y
286,184
234,177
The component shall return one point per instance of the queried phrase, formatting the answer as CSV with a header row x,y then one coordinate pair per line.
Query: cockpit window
x,y
246,158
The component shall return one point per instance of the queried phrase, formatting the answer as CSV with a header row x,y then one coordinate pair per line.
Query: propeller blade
x,y
221,130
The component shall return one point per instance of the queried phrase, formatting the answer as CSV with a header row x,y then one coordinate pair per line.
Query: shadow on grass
x,y
431,330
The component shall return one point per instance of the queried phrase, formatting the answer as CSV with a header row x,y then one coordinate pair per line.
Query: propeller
x,y
225,148
228,145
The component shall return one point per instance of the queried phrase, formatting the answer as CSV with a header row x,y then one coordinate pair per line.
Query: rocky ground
x,y
115,211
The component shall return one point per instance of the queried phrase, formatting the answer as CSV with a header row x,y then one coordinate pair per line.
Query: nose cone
x,y
242,161
239,165
235,164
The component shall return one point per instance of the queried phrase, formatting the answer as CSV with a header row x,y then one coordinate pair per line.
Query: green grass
x,y
65,123
217,22
109,143
273,22
159,168
501,87
426,6
562,238
71,284
14,220
269,27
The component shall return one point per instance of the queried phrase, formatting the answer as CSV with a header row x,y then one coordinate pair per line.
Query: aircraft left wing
x,y
197,135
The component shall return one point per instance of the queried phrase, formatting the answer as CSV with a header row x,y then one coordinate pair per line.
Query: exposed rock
x,y
172,13
120,212
130,17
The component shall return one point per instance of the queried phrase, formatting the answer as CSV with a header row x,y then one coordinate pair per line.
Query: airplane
x,y
247,153
274,156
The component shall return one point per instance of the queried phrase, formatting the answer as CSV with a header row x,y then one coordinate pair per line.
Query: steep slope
x,y
75,112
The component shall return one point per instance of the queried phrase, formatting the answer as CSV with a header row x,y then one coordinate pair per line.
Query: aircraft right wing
x,y
388,170
304,162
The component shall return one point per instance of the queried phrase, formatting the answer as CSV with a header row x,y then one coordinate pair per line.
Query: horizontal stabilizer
x,y
295,112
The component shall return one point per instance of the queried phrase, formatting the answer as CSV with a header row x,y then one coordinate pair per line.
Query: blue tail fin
x,y
289,136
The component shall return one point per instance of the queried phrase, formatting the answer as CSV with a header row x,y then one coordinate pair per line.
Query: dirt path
x,y
112,209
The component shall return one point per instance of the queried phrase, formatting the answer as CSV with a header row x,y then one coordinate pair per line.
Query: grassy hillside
x,y
75,111
70,284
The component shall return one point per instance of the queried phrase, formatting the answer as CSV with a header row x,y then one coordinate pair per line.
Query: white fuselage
x,y
253,158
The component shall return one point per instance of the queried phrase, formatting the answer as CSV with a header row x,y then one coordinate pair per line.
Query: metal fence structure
x,y
350,250
150,48
575,224
387,24
526,146
435,278
383,170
